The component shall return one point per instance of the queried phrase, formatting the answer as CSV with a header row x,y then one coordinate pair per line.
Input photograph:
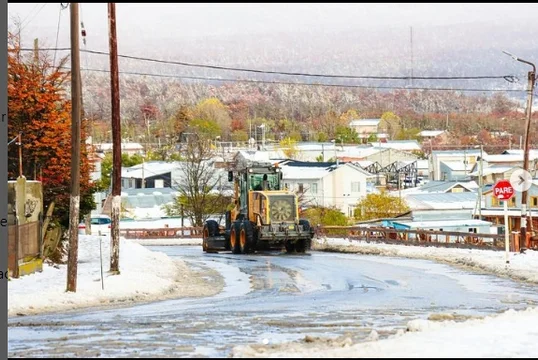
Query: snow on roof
x,y
444,223
492,170
441,201
532,152
405,145
508,157
456,165
364,122
431,133
444,186
124,146
149,169
468,152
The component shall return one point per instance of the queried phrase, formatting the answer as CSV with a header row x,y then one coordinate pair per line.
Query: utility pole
x,y
480,183
74,204
530,89
116,142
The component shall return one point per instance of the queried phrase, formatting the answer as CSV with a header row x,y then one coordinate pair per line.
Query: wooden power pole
x,y
116,142
74,203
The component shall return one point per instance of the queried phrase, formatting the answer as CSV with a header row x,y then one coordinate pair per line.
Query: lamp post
x,y
530,89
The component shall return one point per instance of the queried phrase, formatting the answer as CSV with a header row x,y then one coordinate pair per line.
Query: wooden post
x,y
74,203
116,142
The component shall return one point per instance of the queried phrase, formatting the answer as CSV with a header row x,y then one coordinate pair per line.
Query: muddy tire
x,y
234,238
301,246
290,247
246,237
211,228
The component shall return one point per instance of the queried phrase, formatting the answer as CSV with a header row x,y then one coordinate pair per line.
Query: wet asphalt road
x,y
271,298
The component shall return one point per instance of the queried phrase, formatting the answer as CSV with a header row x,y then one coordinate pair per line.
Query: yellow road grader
x,y
265,216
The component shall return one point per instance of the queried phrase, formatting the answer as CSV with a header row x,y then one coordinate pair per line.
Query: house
x,y
402,145
467,156
130,148
426,135
365,127
493,209
327,184
492,174
508,160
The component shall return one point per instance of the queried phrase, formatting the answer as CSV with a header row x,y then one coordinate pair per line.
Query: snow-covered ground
x,y
144,276
511,334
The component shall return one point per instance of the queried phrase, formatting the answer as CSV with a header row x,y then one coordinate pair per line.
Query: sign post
x,y
504,191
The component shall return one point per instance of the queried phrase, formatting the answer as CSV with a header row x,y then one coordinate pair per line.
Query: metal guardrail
x,y
163,233
379,234
415,237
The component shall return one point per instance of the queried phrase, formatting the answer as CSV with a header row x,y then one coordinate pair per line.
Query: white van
x,y
100,225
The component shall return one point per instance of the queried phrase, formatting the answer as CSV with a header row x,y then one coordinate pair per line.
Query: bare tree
x,y
199,190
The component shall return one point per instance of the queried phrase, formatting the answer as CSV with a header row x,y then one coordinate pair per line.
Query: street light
x,y
530,89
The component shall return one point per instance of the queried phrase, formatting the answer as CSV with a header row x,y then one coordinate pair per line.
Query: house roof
x,y
456,165
467,152
443,223
441,201
495,169
431,133
313,170
443,186
364,122
149,169
405,145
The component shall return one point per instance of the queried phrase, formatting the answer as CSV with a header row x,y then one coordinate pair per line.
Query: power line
x,y
33,17
296,83
62,7
509,78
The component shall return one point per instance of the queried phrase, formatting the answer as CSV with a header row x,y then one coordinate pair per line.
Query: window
x,y
512,202
534,201
301,187
314,188
355,186
495,202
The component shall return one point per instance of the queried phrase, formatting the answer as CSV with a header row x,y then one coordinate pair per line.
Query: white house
x,y
328,184
467,157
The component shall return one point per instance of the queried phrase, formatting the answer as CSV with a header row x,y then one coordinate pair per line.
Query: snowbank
x,y
520,267
511,334
144,276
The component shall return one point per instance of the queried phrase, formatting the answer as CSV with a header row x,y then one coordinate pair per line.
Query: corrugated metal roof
x,y
441,201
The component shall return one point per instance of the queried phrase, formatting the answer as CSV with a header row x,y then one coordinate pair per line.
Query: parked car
x,y
100,225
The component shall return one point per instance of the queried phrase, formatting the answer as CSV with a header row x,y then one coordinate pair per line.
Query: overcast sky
x,y
149,20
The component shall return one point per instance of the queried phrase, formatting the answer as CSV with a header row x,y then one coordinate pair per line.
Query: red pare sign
x,y
503,190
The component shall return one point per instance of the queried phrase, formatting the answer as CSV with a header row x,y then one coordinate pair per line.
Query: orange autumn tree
x,y
39,108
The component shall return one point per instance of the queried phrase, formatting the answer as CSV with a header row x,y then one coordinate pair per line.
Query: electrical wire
x,y
365,77
33,17
58,32
297,83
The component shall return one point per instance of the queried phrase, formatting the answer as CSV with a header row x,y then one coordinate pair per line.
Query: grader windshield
x,y
264,181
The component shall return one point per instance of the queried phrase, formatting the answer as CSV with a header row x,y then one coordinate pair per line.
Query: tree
x,y
346,135
320,215
289,147
390,123
106,167
212,110
198,191
40,109
382,205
